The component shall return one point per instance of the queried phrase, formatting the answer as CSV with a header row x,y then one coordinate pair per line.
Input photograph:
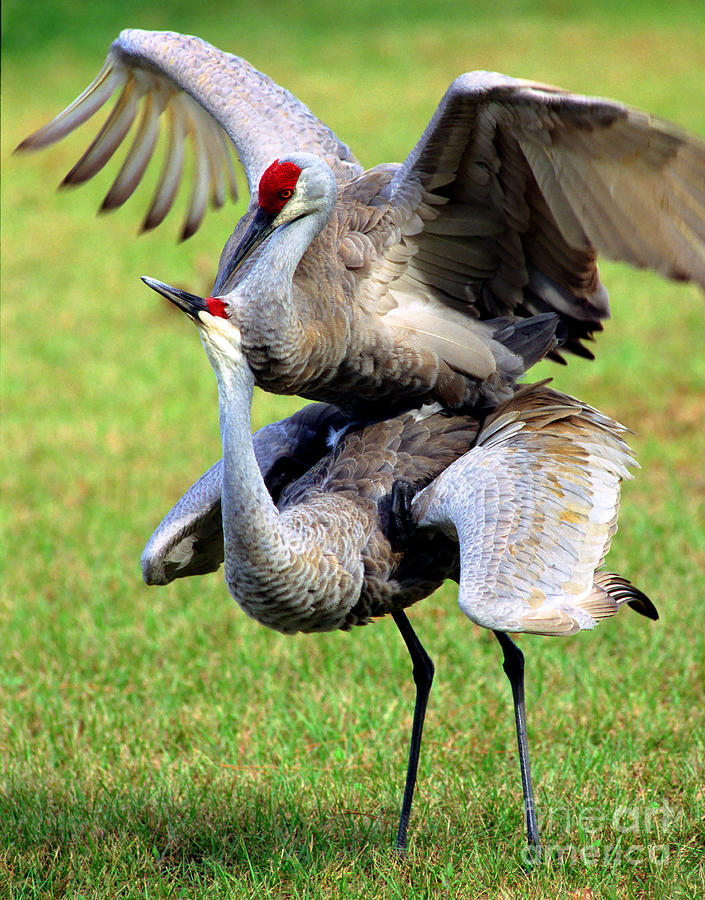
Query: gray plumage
x,y
520,508
405,282
189,540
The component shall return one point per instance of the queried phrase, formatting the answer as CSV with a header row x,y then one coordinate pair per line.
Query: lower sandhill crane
x,y
519,508
408,281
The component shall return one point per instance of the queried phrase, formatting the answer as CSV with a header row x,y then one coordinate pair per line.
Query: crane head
x,y
296,186
209,313
277,186
291,188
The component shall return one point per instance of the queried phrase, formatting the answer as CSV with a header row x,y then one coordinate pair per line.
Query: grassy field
x,y
156,742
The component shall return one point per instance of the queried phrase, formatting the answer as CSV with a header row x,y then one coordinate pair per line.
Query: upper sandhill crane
x,y
404,282
519,508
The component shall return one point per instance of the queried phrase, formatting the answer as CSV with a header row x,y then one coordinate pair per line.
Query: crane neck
x,y
250,518
272,274
284,570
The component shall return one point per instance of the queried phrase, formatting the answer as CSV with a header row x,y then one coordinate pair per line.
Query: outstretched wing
x,y
534,508
510,194
189,539
217,100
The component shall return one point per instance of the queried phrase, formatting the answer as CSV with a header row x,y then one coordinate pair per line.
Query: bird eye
x,y
286,193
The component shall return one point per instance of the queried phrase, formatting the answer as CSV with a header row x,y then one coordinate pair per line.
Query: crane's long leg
x,y
423,678
514,668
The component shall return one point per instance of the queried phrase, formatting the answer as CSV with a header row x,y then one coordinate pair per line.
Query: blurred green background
x,y
155,741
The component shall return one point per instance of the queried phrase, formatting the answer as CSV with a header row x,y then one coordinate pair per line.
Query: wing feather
x,y
225,103
109,137
201,183
534,508
136,161
189,539
522,186
80,110
170,177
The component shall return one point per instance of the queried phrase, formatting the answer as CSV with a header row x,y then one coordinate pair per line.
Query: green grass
x,y
156,742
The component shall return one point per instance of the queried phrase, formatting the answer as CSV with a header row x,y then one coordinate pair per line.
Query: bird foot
x,y
401,523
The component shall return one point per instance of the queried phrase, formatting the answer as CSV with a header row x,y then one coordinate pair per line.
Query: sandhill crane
x,y
405,282
519,508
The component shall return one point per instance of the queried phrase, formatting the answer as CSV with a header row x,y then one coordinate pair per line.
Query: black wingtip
x,y
640,603
623,591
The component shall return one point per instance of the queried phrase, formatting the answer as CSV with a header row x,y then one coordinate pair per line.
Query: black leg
x,y
514,668
423,677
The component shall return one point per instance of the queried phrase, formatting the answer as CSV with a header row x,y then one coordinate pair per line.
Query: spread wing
x,y
534,507
510,194
189,539
215,100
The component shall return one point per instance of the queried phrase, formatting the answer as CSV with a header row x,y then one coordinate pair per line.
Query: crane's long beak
x,y
188,303
260,228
